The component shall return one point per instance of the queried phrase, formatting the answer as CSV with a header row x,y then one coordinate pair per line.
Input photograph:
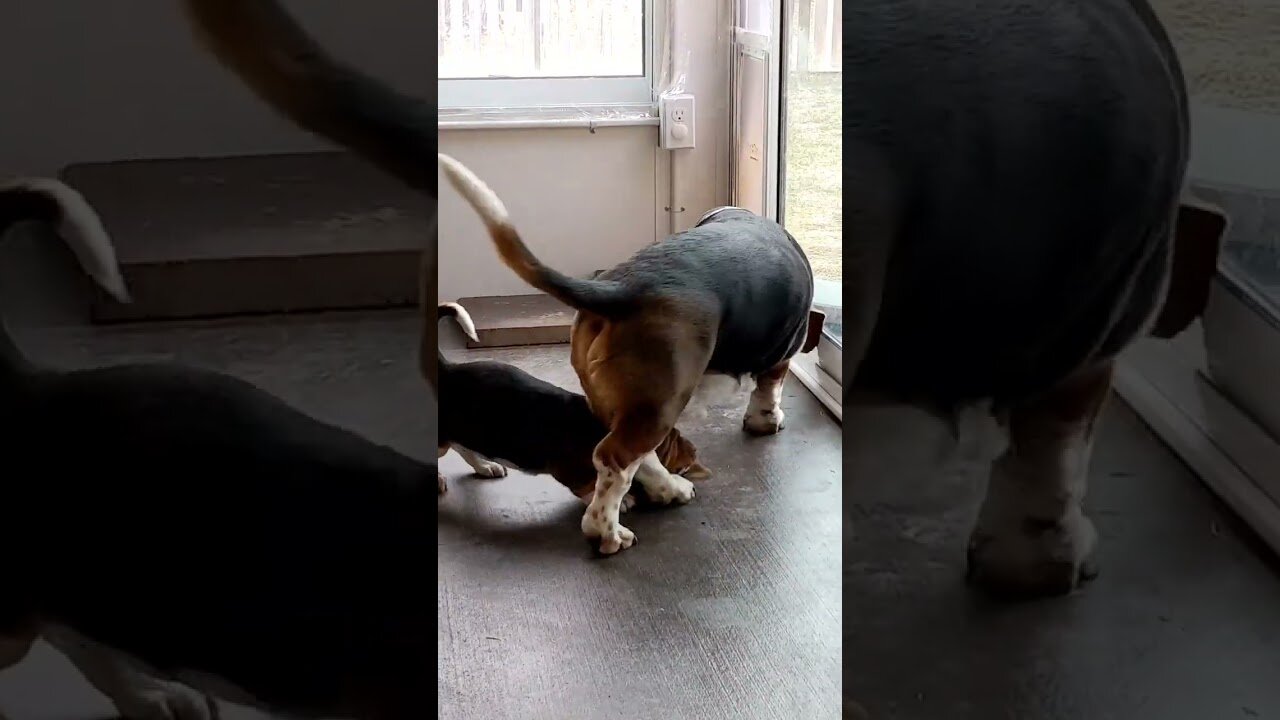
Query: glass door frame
x,y
821,374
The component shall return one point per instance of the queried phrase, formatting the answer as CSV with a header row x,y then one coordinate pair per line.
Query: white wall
x,y
122,79
95,80
585,201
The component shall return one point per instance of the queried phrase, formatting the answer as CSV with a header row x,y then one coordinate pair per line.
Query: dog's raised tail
x,y
57,204
603,297
464,319
278,60
460,316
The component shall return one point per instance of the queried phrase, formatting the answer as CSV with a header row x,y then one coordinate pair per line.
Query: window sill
x,y
524,118
819,382
1232,454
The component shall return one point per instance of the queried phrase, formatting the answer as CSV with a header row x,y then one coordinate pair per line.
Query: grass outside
x,y
813,164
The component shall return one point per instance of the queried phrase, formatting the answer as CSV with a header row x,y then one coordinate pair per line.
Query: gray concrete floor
x,y
725,609
1182,624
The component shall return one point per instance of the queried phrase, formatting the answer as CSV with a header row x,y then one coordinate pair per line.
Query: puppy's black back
x,y
501,411
196,521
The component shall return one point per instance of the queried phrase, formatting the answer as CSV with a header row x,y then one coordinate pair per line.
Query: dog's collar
x,y
716,211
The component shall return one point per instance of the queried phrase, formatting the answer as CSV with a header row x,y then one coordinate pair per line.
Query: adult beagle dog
x,y
1012,179
181,534
496,416
731,296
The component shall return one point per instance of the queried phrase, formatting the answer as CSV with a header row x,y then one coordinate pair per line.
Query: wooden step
x,y
518,320
255,234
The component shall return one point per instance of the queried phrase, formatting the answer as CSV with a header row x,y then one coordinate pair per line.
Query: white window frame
x,y
540,93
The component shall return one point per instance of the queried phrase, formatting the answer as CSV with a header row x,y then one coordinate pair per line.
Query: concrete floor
x,y
1182,624
726,609
737,618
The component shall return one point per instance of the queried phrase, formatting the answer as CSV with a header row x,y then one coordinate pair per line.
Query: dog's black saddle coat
x,y
488,407
748,270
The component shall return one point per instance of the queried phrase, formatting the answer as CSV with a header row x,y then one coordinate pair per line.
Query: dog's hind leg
x,y
441,451
764,411
636,433
136,693
483,467
1032,536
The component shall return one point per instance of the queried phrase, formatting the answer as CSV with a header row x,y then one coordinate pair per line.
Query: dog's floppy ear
x,y
696,471
813,334
1197,241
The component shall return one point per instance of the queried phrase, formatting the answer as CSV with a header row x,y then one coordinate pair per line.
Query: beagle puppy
x,y
731,296
497,416
207,533
182,535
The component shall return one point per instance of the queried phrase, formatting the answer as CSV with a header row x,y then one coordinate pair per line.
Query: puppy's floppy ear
x,y
696,471
1197,241
813,334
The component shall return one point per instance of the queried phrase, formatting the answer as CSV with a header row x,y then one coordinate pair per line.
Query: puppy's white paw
x,y
674,489
1028,557
611,535
169,701
490,469
763,420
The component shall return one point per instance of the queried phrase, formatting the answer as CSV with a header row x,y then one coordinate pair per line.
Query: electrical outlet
x,y
675,121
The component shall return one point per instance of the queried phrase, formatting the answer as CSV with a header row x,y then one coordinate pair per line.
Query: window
x,y
809,197
539,53
1211,392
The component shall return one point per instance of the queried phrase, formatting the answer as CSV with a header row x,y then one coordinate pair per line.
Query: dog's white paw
x,y
490,469
611,535
764,420
616,541
1028,557
169,701
674,490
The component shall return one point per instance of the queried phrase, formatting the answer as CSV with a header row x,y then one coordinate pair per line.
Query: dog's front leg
x,y
660,485
137,694
1033,537
483,467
